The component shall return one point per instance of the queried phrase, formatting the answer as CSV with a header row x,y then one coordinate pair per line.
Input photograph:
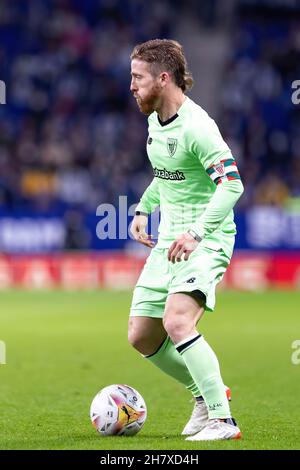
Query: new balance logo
x,y
191,280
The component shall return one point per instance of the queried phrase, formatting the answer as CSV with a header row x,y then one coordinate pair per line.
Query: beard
x,y
148,104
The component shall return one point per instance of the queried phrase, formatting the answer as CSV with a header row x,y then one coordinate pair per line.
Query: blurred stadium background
x,y
71,138
72,164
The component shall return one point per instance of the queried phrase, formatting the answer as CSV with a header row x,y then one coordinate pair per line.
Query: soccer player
x,y
196,184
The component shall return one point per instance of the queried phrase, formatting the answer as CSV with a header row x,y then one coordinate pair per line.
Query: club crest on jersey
x,y
220,169
172,146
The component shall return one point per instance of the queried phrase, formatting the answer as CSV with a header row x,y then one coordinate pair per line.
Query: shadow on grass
x,y
69,440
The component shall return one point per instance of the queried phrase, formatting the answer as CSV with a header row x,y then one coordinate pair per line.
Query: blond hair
x,y
165,55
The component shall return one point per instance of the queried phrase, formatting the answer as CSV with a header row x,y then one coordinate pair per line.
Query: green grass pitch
x,y
62,347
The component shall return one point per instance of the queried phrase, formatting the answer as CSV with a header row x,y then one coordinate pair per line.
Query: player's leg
x,y
181,316
148,336
146,332
183,311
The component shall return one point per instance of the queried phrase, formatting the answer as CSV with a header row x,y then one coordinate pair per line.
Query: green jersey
x,y
196,181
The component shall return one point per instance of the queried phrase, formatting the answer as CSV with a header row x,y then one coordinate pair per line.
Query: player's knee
x,y
136,338
142,343
175,325
145,340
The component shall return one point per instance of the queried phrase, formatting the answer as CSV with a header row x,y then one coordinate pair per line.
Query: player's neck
x,y
170,105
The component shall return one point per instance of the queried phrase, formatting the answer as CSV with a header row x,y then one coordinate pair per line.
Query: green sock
x,y
203,365
170,361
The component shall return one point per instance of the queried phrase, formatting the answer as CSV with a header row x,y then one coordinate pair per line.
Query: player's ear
x,y
164,78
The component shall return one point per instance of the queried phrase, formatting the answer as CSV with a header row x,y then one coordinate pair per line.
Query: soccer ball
x,y
118,410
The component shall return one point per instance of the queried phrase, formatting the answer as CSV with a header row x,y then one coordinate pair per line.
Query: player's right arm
x,y
148,203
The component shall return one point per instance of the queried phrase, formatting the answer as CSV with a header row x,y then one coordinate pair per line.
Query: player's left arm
x,y
221,167
229,190
223,200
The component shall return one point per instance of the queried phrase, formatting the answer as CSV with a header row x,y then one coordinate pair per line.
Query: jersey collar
x,y
168,121
172,118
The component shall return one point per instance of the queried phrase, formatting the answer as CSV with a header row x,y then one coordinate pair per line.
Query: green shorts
x,y
159,278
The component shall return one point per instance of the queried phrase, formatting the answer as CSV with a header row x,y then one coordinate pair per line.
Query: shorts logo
x,y
172,146
191,280
149,142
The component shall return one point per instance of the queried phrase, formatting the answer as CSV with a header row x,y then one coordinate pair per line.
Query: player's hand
x,y
184,244
137,229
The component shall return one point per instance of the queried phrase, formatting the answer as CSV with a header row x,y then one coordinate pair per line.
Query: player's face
x,y
144,86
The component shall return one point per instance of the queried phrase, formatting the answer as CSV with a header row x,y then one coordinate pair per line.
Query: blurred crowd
x,y
71,136
258,117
